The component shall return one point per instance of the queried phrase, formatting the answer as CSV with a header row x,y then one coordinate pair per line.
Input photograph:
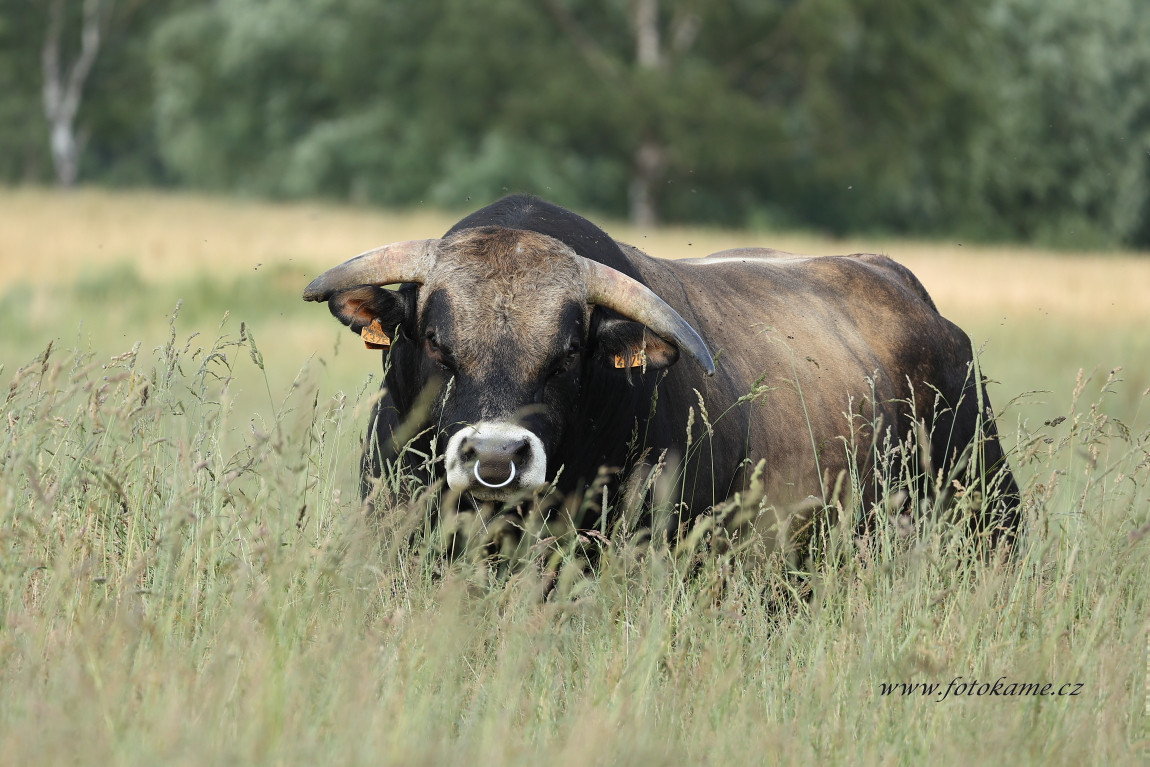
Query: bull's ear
x,y
372,312
622,343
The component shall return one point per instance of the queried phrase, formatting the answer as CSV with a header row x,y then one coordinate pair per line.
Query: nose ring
x,y
485,483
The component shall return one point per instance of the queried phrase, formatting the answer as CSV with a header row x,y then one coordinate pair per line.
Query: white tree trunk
x,y
648,53
62,93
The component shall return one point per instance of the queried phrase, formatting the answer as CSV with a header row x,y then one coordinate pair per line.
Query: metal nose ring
x,y
485,483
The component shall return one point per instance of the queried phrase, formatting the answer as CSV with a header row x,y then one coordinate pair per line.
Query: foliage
x,y
1007,119
24,136
1068,160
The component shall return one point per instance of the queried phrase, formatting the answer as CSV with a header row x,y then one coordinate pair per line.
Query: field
x,y
186,576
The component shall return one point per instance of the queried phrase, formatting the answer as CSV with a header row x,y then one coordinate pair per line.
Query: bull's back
x,y
857,313
779,265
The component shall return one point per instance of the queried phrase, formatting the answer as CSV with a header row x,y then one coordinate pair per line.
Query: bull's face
x,y
501,323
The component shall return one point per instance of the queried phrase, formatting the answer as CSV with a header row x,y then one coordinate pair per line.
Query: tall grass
x,y
183,584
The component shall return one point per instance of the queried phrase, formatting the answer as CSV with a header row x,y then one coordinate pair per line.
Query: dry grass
x,y
48,236
185,576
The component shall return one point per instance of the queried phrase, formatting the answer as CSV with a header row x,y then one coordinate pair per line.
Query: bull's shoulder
x,y
895,271
631,252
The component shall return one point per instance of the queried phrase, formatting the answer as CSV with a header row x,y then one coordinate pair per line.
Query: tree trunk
x,y
647,49
648,163
645,174
62,94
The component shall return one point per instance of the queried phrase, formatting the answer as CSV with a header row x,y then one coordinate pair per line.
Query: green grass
x,y
187,576
182,583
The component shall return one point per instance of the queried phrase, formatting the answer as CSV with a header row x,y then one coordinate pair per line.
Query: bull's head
x,y
503,318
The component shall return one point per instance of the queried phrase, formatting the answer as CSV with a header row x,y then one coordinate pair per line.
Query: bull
x,y
553,351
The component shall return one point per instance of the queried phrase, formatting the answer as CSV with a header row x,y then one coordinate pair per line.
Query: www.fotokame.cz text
x,y
959,687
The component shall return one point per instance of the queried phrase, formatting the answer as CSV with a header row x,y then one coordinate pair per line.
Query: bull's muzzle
x,y
493,461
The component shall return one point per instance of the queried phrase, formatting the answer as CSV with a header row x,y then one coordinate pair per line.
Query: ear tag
x,y
374,337
629,361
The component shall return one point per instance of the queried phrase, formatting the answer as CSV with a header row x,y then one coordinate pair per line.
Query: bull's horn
x,y
615,290
408,261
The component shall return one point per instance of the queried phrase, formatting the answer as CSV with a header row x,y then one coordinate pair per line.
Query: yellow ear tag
x,y
629,361
374,337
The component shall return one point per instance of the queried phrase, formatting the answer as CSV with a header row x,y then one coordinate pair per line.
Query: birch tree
x,y
63,85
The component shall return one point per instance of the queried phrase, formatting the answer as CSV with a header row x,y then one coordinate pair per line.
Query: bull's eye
x,y
568,361
439,355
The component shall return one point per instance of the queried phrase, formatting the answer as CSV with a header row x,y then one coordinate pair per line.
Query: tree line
x,y
1019,120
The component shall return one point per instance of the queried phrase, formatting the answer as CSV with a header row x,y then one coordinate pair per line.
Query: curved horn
x,y
408,261
615,290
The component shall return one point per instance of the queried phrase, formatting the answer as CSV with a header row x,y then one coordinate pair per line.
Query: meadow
x,y
187,577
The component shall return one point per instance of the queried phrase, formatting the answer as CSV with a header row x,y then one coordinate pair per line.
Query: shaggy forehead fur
x,y
505,285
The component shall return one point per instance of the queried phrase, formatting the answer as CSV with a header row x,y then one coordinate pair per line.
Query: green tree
x,y
23,138
1065,159
1022,119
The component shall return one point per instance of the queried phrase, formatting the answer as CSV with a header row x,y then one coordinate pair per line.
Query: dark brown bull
x,y
557,350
